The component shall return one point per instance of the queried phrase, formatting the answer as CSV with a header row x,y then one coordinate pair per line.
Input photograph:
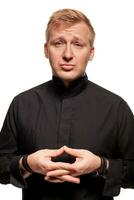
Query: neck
x,y
69,87
67,83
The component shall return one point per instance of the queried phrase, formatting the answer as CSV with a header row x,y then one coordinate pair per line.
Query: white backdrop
x,y
22,63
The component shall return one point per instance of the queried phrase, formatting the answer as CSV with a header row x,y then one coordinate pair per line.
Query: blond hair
x,y
68,17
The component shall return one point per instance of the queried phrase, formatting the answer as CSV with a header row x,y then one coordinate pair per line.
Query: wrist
x,y
104,165
24,172
98,163
25,164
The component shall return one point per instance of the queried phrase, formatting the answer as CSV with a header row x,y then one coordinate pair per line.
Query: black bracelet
x,y
102,171
25,164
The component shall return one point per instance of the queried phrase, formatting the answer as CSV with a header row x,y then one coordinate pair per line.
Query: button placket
x,y
65,122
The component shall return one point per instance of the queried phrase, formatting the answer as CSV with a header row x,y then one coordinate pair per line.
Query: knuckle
x,y
45,150
48,167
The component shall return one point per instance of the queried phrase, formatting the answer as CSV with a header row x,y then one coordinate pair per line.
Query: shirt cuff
x,y
16,177
113,179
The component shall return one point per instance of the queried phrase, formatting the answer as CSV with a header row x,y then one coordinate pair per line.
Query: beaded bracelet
x,y
25,164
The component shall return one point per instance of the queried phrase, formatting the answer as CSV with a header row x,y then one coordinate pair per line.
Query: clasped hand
x,y
58,172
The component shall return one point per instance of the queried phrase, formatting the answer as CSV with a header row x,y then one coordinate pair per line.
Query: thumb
x,y
71,151
56,152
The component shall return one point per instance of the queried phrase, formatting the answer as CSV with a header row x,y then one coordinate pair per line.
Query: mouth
x,y
67,67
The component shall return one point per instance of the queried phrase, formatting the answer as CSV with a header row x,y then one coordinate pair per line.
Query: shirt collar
x,y
74,88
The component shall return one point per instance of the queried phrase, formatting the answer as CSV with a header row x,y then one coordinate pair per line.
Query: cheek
x,y
83,59
54,56
54,61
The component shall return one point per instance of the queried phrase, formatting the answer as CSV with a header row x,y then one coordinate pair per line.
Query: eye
x,y
58,44
78,44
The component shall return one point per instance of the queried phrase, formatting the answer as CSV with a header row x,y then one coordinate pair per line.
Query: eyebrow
x,y
63,39
58,38
77,38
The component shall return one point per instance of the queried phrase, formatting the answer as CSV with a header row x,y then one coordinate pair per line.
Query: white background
x,y
22,62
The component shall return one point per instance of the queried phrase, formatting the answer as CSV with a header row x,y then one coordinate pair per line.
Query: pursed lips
x,y
67,66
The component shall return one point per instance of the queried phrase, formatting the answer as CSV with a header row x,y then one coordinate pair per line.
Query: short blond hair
x,y
68,17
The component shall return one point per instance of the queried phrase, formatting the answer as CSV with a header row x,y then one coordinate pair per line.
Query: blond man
x,y
68,138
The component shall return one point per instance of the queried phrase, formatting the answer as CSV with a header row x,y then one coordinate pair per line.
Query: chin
x,y
68,76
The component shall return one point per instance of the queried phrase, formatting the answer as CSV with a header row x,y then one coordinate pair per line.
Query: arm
x,y
9,157
121,170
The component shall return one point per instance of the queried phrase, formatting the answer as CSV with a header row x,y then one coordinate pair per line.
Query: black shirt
x,y
83,116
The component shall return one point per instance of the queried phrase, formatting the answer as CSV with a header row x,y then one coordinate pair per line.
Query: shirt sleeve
x,y
9,155
121,169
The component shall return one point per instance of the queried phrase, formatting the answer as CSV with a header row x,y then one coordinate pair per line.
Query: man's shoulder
x,y
33,92
102,93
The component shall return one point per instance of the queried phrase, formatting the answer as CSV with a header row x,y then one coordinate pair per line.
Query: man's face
x,y
68,50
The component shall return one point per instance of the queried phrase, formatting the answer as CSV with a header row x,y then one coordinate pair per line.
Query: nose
x,y
68,54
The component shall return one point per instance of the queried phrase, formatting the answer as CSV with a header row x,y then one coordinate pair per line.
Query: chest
x,y
75,122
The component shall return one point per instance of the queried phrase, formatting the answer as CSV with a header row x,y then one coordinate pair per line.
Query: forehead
x,y
79,30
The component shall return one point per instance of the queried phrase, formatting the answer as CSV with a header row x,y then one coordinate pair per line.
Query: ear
x,y
46,50
91,53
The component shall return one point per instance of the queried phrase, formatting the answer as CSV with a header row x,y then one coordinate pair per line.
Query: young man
x,y
68,138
